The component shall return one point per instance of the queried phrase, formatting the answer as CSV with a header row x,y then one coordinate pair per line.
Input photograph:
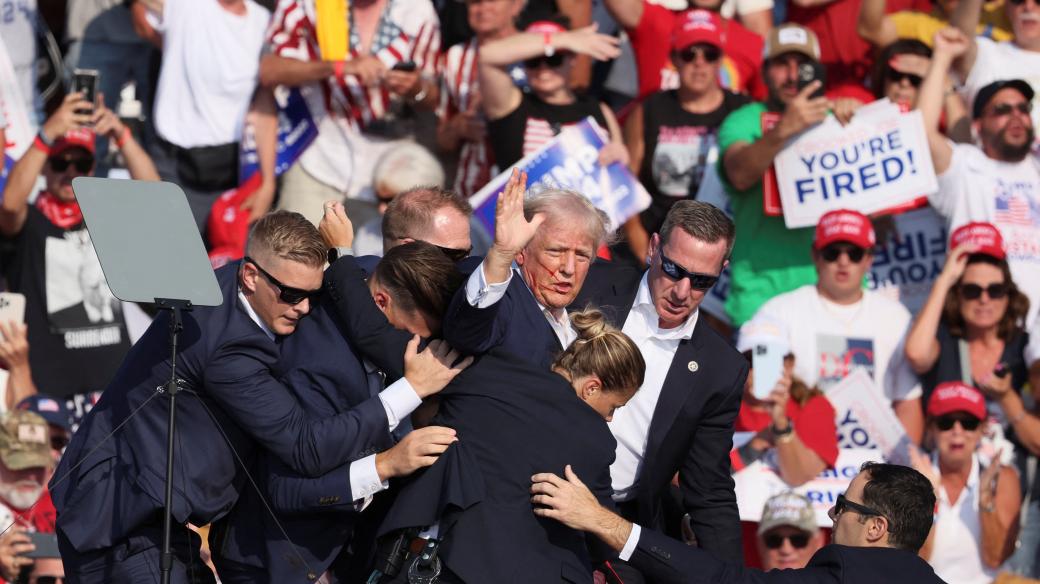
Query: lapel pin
x,y
693,366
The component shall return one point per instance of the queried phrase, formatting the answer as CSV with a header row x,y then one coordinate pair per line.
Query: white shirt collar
x,y
254,316
644,305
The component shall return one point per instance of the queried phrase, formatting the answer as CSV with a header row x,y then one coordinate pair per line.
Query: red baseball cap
x,y
228,225
545,26
696,26
956,396
77,138
843,225
985,236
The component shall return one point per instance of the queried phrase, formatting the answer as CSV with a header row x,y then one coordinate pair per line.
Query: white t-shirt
x,y
978,188
957,551
1005,60
829,341
211,61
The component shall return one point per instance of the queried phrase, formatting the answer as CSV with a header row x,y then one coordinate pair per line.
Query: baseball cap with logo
x,y
545,26
763,329
48,408
25,440
843,225
985,236
788,508
792,38
983,97
76,138
956,396
697,26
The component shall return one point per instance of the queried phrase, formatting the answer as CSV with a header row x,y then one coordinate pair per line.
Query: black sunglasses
x,y
1023,107
832,252
697,281
969,423
841,505
710,53
50,580
974,291
83,165
553,61
775,540
1021,2
898,77
286,294
455,255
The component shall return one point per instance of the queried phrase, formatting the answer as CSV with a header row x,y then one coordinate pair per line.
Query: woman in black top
x,y
521,122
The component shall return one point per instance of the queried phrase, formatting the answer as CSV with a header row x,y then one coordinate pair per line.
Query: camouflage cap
x,y
24,440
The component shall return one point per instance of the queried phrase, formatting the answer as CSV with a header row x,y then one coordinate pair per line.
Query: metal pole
x,y
166,559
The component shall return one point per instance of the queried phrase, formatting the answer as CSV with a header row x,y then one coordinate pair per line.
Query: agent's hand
x,y
419,449
803,111
335,227
68,117
567,500
431,370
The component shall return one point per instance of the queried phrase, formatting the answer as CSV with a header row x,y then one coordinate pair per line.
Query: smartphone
x,y
46,546
85,81
767,362
812,71
12,307
406,66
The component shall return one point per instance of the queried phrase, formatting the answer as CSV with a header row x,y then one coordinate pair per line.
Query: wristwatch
x,y
337,252
785,435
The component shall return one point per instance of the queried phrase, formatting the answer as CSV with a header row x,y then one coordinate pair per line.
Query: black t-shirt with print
x,y
535,121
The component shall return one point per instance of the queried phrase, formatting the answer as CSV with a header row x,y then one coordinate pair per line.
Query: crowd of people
x,y
400,386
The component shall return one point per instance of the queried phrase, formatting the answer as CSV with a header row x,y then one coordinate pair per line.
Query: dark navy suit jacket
x,y
668,561
691,431
116,484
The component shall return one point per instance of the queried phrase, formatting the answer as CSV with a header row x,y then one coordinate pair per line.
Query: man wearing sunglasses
x,y
72,317
998,181
787,533
835,326
880,523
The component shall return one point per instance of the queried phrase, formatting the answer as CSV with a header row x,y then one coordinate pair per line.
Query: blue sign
x,y
296,131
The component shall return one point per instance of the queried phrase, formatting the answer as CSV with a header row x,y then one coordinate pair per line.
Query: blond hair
x,y
603,351
288,236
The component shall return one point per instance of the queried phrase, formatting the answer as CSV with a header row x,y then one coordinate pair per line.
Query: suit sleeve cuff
x,y
630,543
399,400
479,293
364,480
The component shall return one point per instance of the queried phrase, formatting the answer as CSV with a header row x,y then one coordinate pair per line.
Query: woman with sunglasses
x,y
976,521
671,137
971,327
522,122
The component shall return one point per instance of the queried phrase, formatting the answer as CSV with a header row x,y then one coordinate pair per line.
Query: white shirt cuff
x,y
480,294
364,480
630,543
399,400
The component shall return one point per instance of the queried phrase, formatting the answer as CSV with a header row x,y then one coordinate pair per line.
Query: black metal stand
x,y
175,307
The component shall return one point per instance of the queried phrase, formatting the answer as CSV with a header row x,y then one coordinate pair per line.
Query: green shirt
x,y
768,258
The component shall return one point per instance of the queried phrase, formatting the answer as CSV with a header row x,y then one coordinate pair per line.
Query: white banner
x,y
865,418
879,160
758,482
905,269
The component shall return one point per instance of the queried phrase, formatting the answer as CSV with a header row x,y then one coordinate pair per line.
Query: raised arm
x,y
108,126
873,26
1000,501
965,18
922,345
263,117
627,13
950,44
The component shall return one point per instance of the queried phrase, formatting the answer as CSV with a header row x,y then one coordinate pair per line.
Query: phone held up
x,y
85,81
812,71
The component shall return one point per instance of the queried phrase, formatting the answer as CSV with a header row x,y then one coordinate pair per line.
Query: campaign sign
x,y
296,131
905,268
758,482
569,161
711,191
865,418
869,165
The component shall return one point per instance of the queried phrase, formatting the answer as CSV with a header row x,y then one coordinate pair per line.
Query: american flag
x,y
1013,210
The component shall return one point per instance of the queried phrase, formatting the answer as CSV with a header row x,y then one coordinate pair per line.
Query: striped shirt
x,y
460,88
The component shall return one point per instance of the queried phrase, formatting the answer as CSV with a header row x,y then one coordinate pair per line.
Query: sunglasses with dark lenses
x,y
50,580
841,505
969,423
1003,109
455,255
831,253
709,53
1021,2
898,77
83,165
775,540
286,294
974,291
553,61
697,281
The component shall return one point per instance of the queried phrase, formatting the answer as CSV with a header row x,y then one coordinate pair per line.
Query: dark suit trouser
x,y
135,560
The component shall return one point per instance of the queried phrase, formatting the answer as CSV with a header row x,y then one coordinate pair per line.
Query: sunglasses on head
x,y
841,505
832,252
974,291
898,77
775,540
286,294
455,255
553,61
1003,109
710,53
697,281
969,423
83,165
